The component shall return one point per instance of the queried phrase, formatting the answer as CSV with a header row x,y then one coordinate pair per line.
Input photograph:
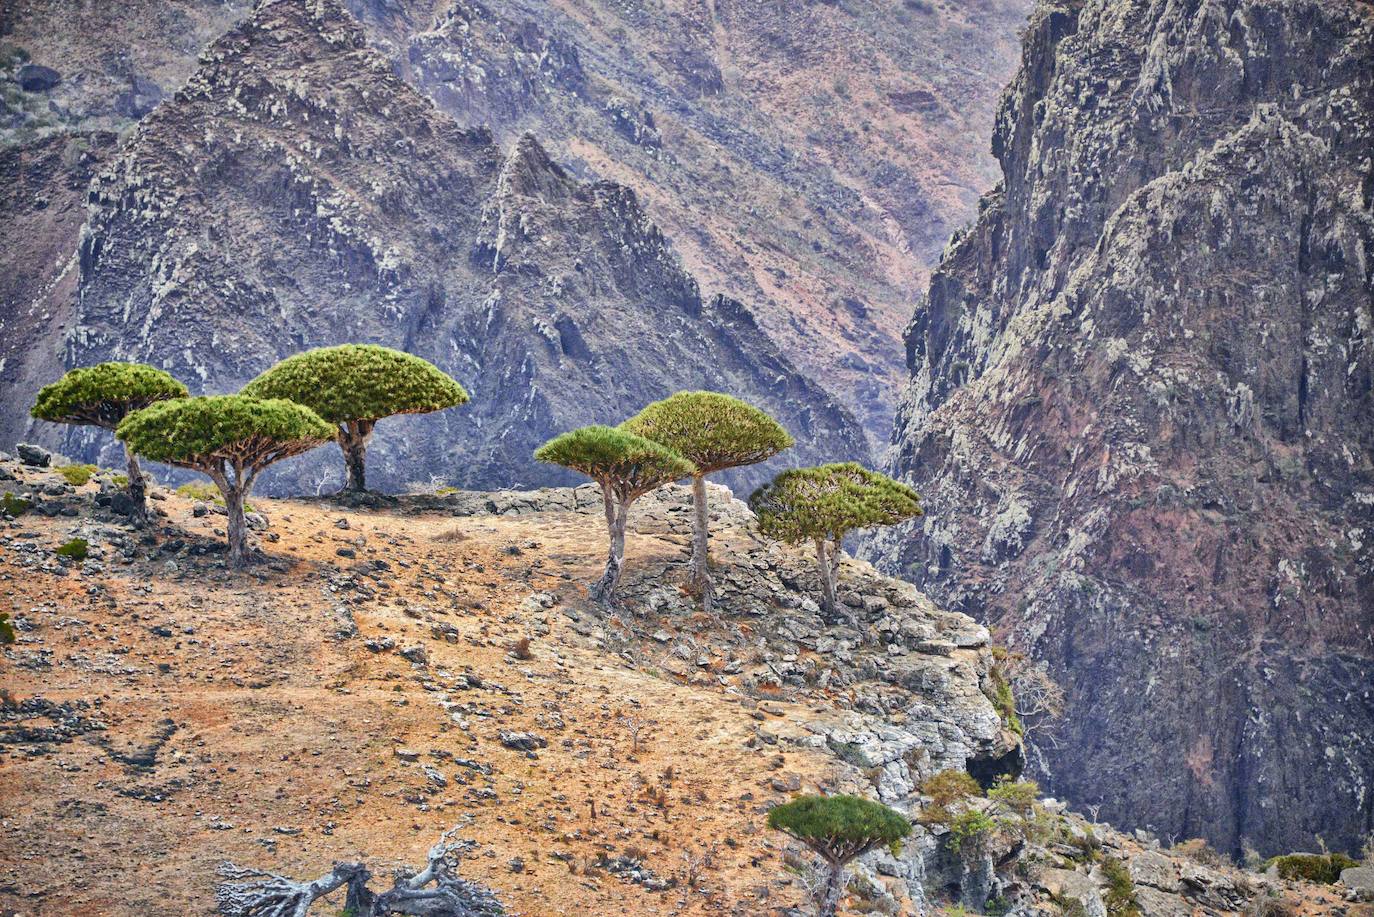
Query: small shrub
x,y
207,493
969,832
199,490
1199,851
1120,894
945,789
76,549
950,786
14,506
6,628
1270,906
997,907
1323,868
1017,796
76,475
1003,701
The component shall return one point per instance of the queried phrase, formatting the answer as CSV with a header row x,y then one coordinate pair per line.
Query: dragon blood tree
x,y
713,432
102,396
823,504
228,438
838,829
355,385
627,467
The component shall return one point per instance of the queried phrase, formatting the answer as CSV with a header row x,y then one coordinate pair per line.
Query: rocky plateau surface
x,y
387,671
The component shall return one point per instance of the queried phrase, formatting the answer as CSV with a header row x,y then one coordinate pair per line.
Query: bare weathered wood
x,y
434,891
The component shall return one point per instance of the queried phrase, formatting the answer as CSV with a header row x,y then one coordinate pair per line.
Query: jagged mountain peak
x,y
299,193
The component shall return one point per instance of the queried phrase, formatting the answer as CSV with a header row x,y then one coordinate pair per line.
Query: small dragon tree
x,y
627,467
355,385
229,438
825,503
713,432
102,396
839,829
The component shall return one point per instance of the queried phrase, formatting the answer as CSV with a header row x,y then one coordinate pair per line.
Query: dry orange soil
x,y
275,744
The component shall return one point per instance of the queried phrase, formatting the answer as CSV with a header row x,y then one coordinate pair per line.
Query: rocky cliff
x,y
297,193
1142,411
42,196
89,65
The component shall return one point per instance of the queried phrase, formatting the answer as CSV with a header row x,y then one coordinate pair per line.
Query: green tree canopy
x,y
627,467
630,464
825,503
358,382
196,432
839,829
354,386
102,396
711,430
229,438
829,501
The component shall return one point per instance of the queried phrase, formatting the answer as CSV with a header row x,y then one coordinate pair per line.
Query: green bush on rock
x,y
355,385
230,439
1324,868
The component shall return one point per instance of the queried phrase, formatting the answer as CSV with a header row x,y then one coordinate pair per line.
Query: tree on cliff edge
x,y
838,829
627,467
230,439
355,385
713,432
823,504
102,396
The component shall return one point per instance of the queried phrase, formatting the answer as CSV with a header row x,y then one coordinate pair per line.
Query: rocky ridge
x,y
1139,405
297,193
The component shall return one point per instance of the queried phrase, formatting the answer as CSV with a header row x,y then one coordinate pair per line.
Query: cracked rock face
x,y
1141,412
297,193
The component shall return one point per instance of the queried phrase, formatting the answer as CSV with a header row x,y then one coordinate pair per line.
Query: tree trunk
x,y
834,890
699,575
824,565
615,519
353,439
238,526
138,489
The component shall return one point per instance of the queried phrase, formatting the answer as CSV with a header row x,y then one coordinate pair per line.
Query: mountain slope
x,y
42,196
297,193
806,158
1140,411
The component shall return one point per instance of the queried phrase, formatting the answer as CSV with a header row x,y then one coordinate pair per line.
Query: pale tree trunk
x,y
834,890
138,488
616,516
238,526
825,566
699,575
353,439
